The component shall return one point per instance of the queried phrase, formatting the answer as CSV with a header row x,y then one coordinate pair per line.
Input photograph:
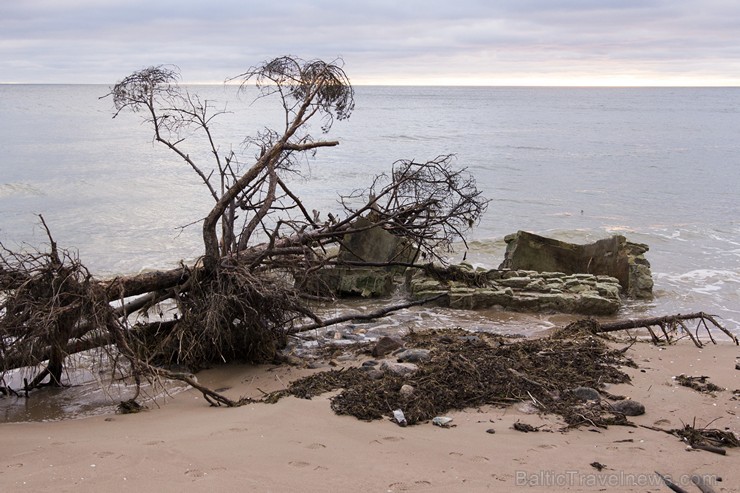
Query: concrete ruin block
x,y
521,290
614,257
375,245
364,282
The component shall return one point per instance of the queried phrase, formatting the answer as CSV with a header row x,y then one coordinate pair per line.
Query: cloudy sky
x,y
481,42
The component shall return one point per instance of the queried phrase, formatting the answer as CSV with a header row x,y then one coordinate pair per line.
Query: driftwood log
x,y
671,324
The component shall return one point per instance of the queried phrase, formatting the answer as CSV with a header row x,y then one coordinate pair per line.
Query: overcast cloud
x,y
540,42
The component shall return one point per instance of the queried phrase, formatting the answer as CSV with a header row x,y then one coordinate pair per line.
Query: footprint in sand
x,y
299,464
154,442
480,459
401,486
228,432
502,477
388,439
315,446
456,454
195,473
102,455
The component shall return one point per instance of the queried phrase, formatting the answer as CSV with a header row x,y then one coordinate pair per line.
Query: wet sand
x,y
300,445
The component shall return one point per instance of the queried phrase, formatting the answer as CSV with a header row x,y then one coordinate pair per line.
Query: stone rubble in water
x,y
522,290
538,274
542,274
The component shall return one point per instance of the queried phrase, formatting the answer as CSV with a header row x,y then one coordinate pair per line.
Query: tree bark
x,y
127,286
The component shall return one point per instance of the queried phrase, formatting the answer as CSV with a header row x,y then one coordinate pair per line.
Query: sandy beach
x,y
301,445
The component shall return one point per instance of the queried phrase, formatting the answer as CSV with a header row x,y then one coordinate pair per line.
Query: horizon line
x,y
405,84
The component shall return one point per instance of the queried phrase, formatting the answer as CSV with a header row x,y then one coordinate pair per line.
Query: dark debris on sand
x,y
700,384
469,372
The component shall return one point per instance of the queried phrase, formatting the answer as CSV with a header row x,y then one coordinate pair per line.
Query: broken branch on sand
x,y
670,324
709,439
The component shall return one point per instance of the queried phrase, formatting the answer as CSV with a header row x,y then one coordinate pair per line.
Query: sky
x,y
419,42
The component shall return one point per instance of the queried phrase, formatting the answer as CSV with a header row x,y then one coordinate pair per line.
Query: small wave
x,y
708,289
709,275
411,137
620,229
723,239
15,189
527,148
673,235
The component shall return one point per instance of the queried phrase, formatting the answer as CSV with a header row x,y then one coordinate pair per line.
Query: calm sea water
x,y
661,166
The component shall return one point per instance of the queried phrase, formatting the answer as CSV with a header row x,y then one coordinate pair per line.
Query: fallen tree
x,y
669,325
238,302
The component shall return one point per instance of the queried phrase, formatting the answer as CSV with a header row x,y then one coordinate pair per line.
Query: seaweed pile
x,y
709,439
706,437
700,384
466,371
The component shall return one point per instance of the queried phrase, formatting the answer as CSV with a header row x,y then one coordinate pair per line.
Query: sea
x,y
660,166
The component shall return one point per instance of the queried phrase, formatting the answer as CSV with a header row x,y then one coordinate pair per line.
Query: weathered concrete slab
x,y
375,245
615,257
370,244
523,290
